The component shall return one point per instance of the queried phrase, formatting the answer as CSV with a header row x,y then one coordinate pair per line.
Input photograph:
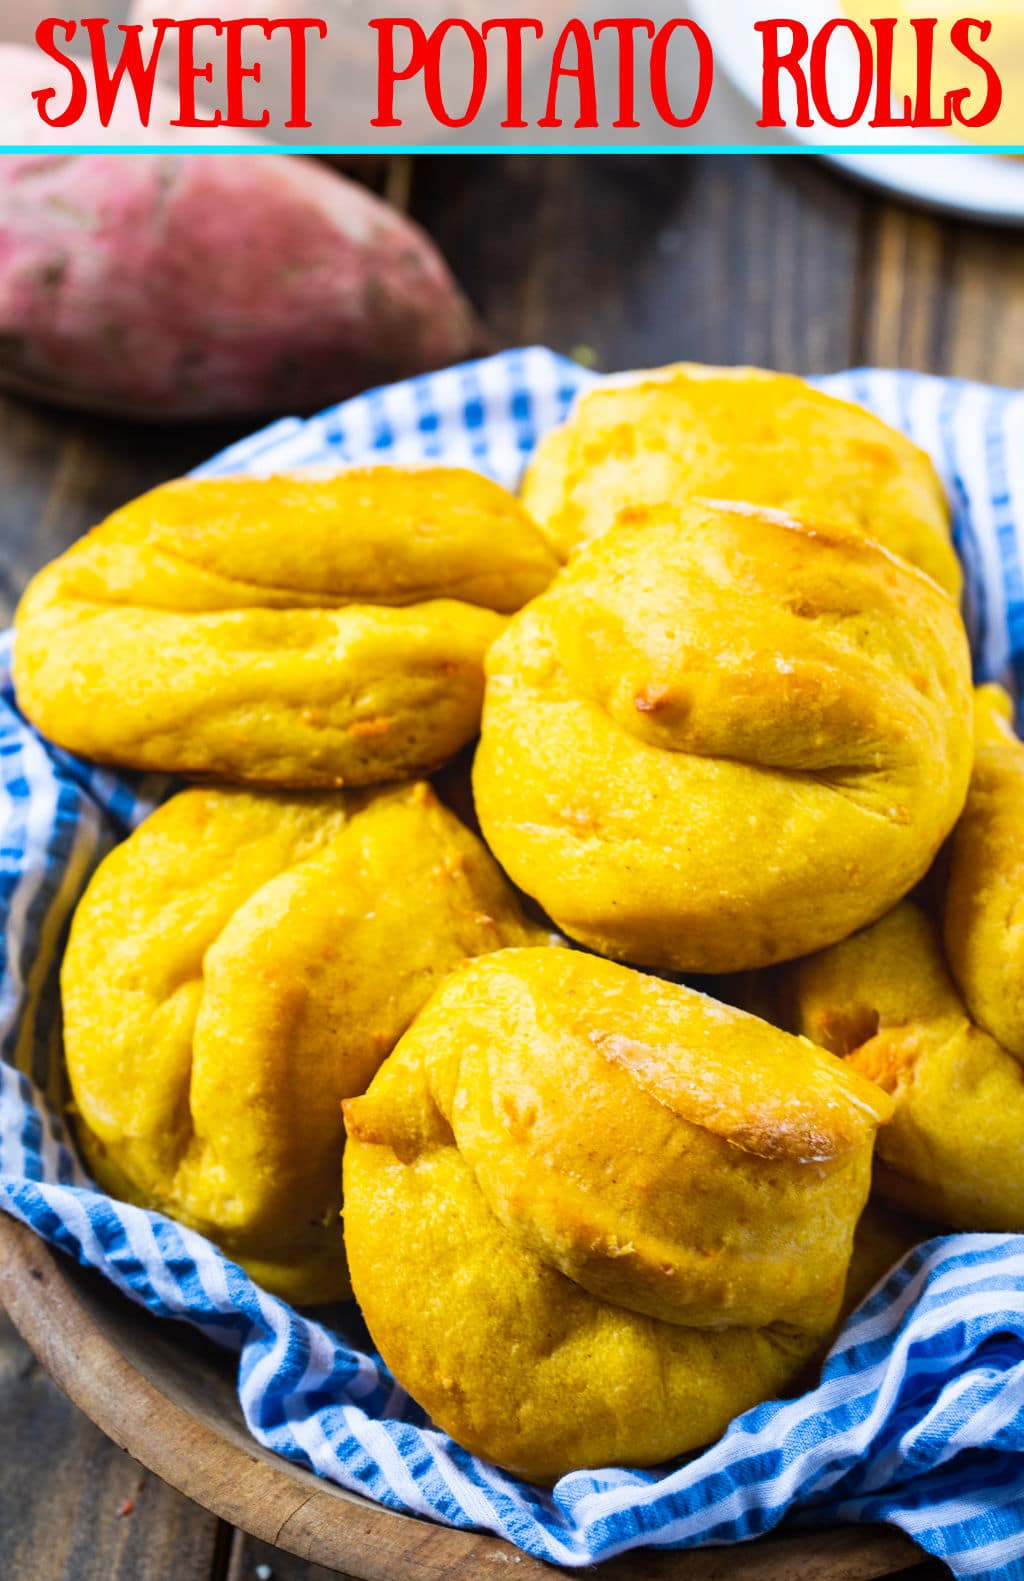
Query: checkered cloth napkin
x,y
919,1416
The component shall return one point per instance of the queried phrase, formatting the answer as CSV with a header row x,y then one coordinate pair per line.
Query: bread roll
x,y
984,902
725,740
591,1216
239,965
286,631
738,434
954,1152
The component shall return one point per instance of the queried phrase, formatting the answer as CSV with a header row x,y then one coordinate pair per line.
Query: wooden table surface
x,y
625,262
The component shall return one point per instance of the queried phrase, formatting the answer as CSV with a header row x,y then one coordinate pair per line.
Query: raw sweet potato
x,y
185,285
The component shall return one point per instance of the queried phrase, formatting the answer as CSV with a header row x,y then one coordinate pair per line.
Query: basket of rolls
x,y
513,901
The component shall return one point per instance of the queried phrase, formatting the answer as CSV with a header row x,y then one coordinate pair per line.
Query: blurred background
x,y
618,261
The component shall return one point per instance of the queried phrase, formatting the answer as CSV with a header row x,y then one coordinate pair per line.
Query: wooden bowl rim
x,y
46,1296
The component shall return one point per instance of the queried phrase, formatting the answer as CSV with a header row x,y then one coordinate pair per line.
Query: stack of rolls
x,y
723,696
929,1004
252,953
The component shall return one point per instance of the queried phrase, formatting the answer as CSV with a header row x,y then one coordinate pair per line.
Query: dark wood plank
x,y
255,1561
647,260
61,473
784,1559
73,1507
944,297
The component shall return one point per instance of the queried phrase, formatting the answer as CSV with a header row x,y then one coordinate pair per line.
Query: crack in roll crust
x,y
571,1258
738,434
296,631
238,966
725,741
885,1001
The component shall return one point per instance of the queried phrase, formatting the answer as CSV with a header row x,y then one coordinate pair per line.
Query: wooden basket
x,y
168,1397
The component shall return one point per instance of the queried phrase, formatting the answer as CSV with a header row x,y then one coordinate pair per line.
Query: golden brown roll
x,y
738,434
293,631
984,899
239,965
590,1216
954,1152
726,740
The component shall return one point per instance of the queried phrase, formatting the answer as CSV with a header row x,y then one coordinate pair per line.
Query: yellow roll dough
x,y
984,902
239,965
591,1216
726,740
738,434
954,1152
290,631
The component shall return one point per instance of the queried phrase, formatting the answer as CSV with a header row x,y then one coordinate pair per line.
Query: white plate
x,y
975,185
969,182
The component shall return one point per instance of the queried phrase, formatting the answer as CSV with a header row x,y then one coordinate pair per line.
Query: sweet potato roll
x,y
983,913
238,966
295,631
885,1000
590,1216
726,739
738,434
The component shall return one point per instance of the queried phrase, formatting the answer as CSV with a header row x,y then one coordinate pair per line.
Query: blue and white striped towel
x,y
919,1418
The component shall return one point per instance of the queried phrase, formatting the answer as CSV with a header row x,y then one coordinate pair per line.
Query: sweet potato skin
x,y
191,286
